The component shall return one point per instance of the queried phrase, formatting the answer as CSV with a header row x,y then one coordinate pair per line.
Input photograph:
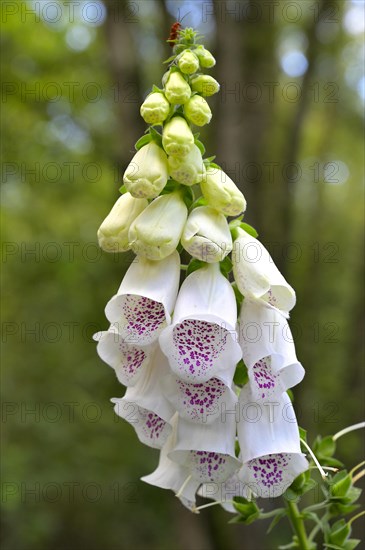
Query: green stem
x,y
298,525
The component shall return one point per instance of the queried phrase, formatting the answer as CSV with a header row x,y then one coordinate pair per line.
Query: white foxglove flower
x,y
145,407
172,476
197,111
225,492
268,350
177,90
177,138
268,435
189,169
142,307
202,402
206,235
205,84
202,341
155,108
188,62
222,193
147,174
156,232
207,450
113,232
129,361
256,274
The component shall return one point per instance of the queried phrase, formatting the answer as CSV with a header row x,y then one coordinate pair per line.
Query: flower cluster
x,y
207,364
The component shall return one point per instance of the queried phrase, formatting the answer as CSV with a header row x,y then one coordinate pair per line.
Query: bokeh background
x,y
287,127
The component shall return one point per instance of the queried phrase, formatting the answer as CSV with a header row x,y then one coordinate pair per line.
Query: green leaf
x,y
350,544
170,187
188,195
156,89
339,533
249,229
324,447
238,295
194,264
169,59
303,434
214,165
247,509
209,159
241,374
142,141
280,514
226,266
200,146
156,136
340,484
122,189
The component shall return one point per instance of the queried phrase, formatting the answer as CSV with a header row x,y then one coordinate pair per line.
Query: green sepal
x,y
200,145
339,509
280,513
237,224
291,395
155,136
350,544
238,295
324,447
241,374
247,509
156,89
208,160
226,266
339,533
340,485
170,187
169,59
147,138
123,189
194,265
249,229
200,201
214,165
303,434
188,195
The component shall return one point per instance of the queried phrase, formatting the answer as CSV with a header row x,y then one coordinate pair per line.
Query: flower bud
x,y
189,169
206,235
156,232
205,84
155,108
221,193
206,59
113,232
177,90
197,111
177,138
188,62
146,174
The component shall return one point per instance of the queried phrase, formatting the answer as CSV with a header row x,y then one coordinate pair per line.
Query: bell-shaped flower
x,y
156,232
268,350
197,111
177,90
202,403
113,232
222,193
225,492
206,59
205,84
207,450
188,62
268,435
128,360
189,169
202,341
177,138
145,407
145,300
147,173
256,274
206,235
172,476
155,108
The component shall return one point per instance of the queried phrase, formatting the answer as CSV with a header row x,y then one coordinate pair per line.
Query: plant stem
x,y
298,525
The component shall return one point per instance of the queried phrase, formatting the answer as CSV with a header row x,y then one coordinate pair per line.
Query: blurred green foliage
x,y
62,138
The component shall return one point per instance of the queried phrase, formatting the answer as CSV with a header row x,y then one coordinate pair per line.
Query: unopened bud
x,y
155,108
205,84
146,174
177,90
177,138
197,110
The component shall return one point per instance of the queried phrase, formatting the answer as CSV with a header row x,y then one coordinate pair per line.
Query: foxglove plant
x,y
208,364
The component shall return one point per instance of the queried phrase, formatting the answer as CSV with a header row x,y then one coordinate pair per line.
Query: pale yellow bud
x,y
156,232
188,62
113,232
222,193
189,169
177,90
197,111
146,174
177,138
205,84
206,59
155,108
206,235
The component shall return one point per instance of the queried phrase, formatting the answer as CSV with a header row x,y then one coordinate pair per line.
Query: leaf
x,y
226,266
209,159
156,136
281,513
156,89
238,295
241,374
249,229
324,447
214,165
247,508
142,141
200,146
123,189
169,59
194,264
